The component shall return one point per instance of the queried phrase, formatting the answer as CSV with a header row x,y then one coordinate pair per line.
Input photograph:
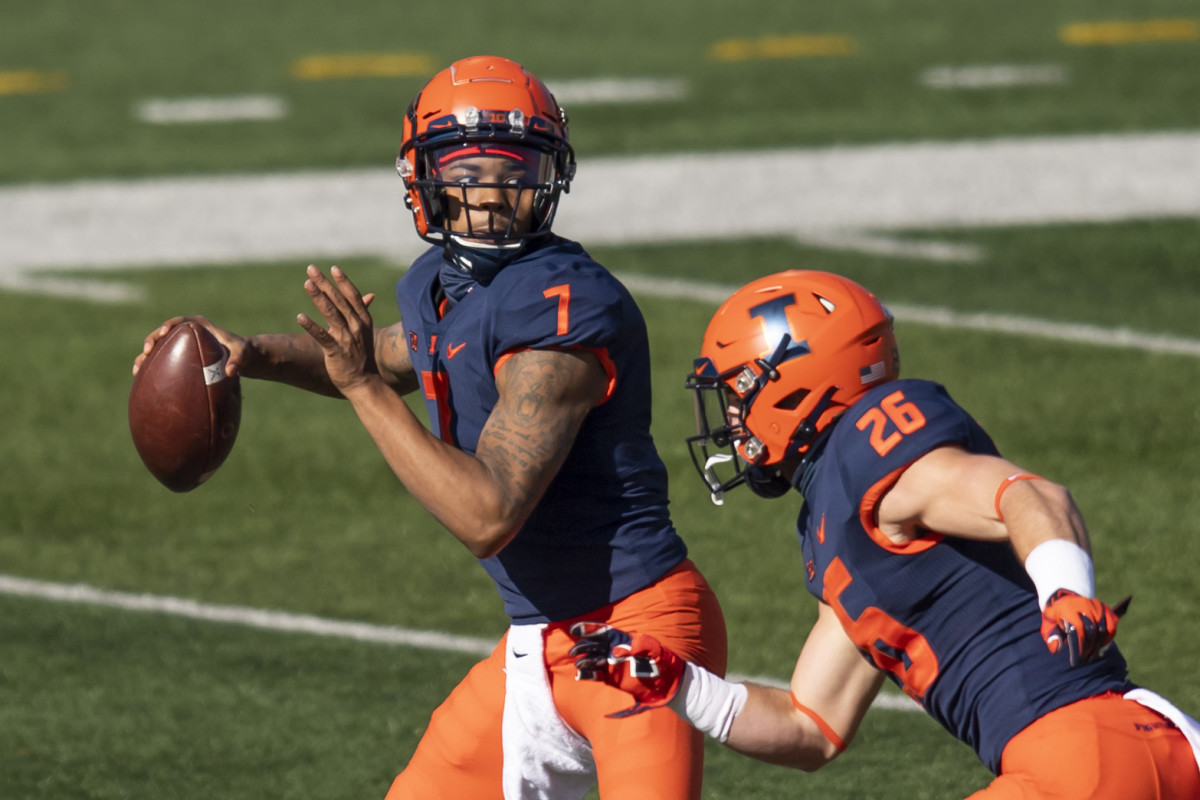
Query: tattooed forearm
x,y
392,359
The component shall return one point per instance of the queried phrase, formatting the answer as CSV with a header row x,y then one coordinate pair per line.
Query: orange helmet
x,y
786,355
484,105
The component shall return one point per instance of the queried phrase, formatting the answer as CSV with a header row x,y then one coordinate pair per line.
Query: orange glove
x,y
637,664
1085,624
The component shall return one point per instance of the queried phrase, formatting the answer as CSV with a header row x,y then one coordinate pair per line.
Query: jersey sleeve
x,y
893,426
562,308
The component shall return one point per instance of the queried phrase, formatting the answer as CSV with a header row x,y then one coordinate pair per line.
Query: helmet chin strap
x,y
803,475
806,431
806,435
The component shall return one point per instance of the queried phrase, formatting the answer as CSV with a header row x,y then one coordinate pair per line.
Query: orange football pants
x,y
650,756
1102,748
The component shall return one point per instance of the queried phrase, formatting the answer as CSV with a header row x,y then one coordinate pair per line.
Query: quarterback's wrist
x,y
256,359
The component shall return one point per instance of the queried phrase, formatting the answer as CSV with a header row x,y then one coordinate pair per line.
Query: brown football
x,y
184,412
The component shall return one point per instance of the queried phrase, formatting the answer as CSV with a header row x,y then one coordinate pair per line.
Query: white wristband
x,y
709,703
1059,564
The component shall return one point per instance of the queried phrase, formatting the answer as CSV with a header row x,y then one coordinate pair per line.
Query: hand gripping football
x,y
184,411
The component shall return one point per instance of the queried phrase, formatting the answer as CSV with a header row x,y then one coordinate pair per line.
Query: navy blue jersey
x,y
602,530
953,622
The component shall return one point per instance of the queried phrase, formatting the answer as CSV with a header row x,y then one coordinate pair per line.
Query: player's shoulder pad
x,y
560,297
898,422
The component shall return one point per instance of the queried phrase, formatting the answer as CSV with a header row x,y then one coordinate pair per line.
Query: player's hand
x,y
635,663
236,345
1085,625
349,342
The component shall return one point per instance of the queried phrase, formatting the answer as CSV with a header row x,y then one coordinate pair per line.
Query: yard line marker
x,y
796,46
362,65
31,81
993,76
285,622
192,110
1154,30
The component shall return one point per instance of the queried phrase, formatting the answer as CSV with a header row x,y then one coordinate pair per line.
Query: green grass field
x,y
306,518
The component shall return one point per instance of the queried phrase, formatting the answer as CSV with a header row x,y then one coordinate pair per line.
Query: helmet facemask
x,y
716,407
520,180
724,407
484,106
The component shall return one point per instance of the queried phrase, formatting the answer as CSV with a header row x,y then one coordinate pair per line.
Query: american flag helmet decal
x,y
872,373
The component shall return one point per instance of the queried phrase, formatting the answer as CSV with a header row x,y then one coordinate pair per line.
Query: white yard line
x,y
1122,338
285,622
617,91
993,76
824,192
207,110
857,198
281,621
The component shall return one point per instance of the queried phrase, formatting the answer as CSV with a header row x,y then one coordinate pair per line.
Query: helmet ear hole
x,y
792,401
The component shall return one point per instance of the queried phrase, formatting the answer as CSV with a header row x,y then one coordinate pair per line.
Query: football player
x,y
533,361
937,563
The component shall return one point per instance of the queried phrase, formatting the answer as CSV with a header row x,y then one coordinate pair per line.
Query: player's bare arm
x,y
989,498
954,492
831,680
392,360
543,398
294,358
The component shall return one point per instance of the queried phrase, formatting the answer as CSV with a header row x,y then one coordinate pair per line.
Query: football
x,y
184,412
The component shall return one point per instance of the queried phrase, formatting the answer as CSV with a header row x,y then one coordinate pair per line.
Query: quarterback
x,y
533,362
937,564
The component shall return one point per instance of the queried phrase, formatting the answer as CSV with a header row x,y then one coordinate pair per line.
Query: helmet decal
x,y
780,362
773,314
